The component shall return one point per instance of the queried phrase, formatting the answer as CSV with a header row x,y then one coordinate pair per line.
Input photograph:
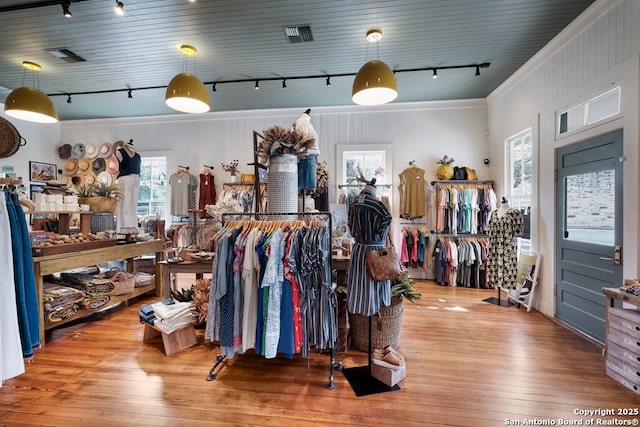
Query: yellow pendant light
x,y
29,103
375,82
186,93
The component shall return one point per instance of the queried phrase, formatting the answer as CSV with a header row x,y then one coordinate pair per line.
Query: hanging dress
x,y
503,248
11,362
369,221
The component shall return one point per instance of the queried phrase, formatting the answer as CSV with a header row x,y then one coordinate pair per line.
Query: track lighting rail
x,y
326,77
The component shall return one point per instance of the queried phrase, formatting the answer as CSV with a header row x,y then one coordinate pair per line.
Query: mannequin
x,y
369,221
307,165
128,183
505,225
504,207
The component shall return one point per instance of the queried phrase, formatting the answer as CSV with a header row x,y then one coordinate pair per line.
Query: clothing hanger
x,y
208,170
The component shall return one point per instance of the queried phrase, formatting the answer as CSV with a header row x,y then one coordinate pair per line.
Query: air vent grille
x,y
66,55
298,33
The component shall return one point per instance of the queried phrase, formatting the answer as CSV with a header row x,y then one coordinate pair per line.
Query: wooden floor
x,y
469,363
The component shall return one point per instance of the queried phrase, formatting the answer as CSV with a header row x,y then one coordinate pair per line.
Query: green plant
x,y
403,285
85,191
99,189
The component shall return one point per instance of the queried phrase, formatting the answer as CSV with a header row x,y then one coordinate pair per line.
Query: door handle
x,y
617,256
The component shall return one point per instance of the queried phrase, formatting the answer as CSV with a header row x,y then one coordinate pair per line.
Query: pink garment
x,y
404,256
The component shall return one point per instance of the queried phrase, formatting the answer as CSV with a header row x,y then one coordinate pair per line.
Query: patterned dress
x,y
369,221
503,249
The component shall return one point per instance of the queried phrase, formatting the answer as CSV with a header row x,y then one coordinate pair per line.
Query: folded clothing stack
x,y
60,302
171,317
146,314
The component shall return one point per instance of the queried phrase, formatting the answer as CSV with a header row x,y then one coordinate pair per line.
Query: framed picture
x,y
42,171
36,188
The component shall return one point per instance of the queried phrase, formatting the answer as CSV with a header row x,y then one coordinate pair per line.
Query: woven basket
x,y
99,203
385,327
123,282
10,139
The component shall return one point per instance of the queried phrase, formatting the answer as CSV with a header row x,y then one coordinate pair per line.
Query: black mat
x,y
496,301
363,384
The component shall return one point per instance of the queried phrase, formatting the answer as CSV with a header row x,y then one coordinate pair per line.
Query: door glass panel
x,y
590,212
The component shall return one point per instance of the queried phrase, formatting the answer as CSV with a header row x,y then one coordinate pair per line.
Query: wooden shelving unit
x,y
49,264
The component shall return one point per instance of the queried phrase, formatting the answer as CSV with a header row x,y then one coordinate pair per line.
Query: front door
x,y
589,230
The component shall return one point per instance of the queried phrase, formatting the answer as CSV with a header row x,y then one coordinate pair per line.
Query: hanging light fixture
x,y
375,83
30,103
186,92
119,8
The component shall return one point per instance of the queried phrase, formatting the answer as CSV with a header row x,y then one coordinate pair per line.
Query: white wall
x,y
42,142
423,132
598,50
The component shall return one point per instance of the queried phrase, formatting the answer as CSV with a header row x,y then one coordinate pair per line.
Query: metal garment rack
x,y
258,215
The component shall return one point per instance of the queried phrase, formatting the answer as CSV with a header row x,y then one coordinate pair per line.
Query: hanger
x,y
182,169
207,170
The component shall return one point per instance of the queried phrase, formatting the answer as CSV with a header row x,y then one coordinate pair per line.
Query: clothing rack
x,y
341,186
227,216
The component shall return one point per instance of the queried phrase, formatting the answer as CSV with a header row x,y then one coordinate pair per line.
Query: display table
x,y
64,219
49,264
166,269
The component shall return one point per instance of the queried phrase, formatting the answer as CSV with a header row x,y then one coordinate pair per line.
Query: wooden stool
x,y
175,341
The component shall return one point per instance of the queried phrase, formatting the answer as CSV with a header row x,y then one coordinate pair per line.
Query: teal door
x,y
589,230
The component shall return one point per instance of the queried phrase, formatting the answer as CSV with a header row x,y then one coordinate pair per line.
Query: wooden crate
x,y
71,247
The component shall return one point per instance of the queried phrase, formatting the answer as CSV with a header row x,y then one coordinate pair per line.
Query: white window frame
x,y
581,120
517,198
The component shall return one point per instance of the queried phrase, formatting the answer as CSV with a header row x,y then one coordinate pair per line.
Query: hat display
x,y
106,150
64,151
78,150
105,178
85,164
71,166
91,151
112,165
99,165
90,178
78,180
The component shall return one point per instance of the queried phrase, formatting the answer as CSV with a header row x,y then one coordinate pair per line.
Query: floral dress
x,y
503,249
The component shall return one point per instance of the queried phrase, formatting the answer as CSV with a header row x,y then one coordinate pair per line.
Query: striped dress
x,y
369,221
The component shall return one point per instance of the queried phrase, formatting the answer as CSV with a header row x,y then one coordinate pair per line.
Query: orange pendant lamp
x,y
29,103
185,92
375,82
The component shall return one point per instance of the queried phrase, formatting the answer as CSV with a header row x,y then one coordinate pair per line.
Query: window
x,y
153,189
372,160
519,156
590,112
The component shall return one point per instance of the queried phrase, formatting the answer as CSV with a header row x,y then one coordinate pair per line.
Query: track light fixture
x,y
119,8
130,94
327,78
65,9
68,99
284,83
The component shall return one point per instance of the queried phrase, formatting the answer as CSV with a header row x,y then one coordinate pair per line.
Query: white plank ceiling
x,y
244,40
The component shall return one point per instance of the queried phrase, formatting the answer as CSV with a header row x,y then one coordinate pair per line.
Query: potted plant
x,y
100,196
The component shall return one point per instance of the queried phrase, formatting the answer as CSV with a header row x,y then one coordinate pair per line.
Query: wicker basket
x,y
123,281
385,327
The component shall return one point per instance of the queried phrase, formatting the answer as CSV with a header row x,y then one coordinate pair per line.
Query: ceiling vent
x,y
298,33
66,55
